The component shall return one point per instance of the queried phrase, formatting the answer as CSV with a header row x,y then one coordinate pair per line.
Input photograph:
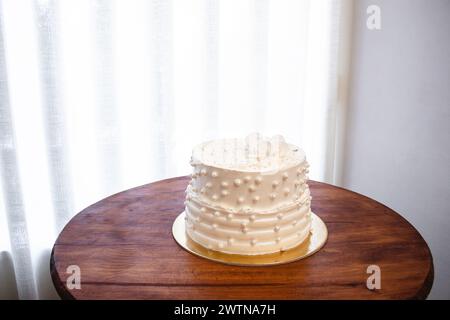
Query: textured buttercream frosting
x,y
248,196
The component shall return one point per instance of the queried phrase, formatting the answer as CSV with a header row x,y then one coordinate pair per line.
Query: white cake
x,y
248,196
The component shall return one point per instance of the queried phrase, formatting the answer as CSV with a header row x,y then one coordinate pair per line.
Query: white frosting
x,y
254,153
248,196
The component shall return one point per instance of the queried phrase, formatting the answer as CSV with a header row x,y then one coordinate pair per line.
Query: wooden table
x,y
125,250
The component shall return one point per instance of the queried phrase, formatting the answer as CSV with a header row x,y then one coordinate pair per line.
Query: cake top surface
x,y
254,153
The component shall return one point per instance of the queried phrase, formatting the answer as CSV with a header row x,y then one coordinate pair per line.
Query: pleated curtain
x,y
98,96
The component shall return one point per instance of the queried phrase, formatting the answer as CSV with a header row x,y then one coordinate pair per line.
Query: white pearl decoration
x,y
273,201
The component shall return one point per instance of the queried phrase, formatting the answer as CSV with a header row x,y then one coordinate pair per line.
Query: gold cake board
x,y
315,241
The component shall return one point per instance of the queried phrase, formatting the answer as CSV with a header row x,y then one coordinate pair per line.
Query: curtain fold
x,y
20,258
51,88
99,96
106,115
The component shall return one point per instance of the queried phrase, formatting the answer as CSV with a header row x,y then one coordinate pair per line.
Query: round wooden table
x,y
124,248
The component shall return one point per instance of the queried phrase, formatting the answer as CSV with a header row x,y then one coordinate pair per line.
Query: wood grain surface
x,y
125,250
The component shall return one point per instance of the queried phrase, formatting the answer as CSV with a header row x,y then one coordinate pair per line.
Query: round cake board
x,y
313,243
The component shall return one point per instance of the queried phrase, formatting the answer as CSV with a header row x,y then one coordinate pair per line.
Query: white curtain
x,y
98,96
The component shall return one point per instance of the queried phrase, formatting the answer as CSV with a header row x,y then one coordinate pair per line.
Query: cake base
x,y
313,243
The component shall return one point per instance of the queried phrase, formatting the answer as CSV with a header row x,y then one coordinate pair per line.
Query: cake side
x,y
258,205
246,191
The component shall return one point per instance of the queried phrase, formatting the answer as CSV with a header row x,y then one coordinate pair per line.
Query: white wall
x,y
398,126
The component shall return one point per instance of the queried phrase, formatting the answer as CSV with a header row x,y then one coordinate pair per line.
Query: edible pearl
x,y
286,191
273,196
276,229
240,200
224,193
285,176
258,180
253,242
230,216
237,182
224,184
256,198
275,184
280,216
215,197
216,213
203,172
208,185
252,217
252,188
214,174
247,179
203,210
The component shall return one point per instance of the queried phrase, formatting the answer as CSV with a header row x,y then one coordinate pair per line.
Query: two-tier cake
x,y
248,196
